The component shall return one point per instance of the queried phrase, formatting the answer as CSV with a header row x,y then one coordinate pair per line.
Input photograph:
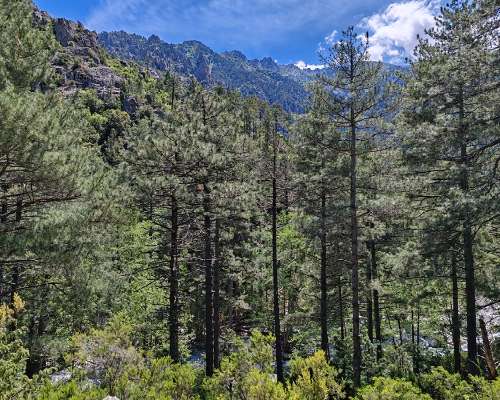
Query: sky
x,y
289,31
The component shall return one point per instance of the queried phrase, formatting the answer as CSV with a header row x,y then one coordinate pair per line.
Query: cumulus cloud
x,y
330,39
393,32
285,29
230,20
303,65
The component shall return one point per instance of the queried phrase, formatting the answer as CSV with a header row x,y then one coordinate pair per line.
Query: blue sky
x,y
290,31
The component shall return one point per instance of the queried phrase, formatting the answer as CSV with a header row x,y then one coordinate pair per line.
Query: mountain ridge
x,y
273,82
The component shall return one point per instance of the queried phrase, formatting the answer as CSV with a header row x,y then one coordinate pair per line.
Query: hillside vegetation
x,y
171,234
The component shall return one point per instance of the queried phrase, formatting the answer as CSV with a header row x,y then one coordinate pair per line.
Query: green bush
x,y
160,380
105,355
443,385
313,378
249,366
13,355
70,391
391,389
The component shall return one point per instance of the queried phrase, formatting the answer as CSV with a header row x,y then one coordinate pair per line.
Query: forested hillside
x,y
165,238
264,78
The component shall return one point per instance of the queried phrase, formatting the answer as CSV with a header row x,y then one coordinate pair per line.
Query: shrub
x,y
443,385
105,355
391,389
161,380
313,379
247,373
13,356
485,390
70,390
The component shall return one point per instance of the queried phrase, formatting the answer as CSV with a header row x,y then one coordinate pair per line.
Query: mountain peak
x,y
155,39
235,54
268,63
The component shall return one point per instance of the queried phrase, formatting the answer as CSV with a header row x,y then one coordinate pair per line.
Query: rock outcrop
x,y
80,63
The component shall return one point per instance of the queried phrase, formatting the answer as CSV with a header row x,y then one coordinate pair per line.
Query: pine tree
x,y
54,187
449,134
318,181
357,99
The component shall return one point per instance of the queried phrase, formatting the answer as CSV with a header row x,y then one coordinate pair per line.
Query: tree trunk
x,y
470,282
356,340
455,320
398,319
376,304
369,303
412,329
341,307
217,266
277,328
488,354
209,329
3,220
15,269
417,352
323,283
174,283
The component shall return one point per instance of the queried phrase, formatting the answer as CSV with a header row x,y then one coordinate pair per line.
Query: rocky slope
x,y
79,62
264,78
87,60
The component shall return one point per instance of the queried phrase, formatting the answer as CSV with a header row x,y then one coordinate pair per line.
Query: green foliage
x,y
13,355
251,364
87,196
104,355
25,50
312,378
70,391
391,389
443,385
160,379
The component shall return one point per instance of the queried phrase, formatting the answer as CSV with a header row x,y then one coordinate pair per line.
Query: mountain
x,y
280,84
87,60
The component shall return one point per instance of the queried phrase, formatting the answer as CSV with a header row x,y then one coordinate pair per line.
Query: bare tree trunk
x,y
470,281
413,347
417,353
3,220
323,283
217,266
356,339
277,327
341,306
174,283
488,354
15,272
376,304
398,319
209,329
369,303
455,320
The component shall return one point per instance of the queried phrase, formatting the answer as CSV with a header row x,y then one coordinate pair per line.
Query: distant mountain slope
x,y
280,84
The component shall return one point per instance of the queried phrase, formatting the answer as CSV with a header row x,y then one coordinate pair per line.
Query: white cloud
x,y
393,32
330,39
227,21
302,65
278,28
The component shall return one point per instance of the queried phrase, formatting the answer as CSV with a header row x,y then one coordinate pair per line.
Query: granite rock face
x,y
262,78
80,61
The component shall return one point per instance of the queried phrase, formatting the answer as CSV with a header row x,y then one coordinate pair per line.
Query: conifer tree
x,y
54,187
449,130
356,99
316,152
